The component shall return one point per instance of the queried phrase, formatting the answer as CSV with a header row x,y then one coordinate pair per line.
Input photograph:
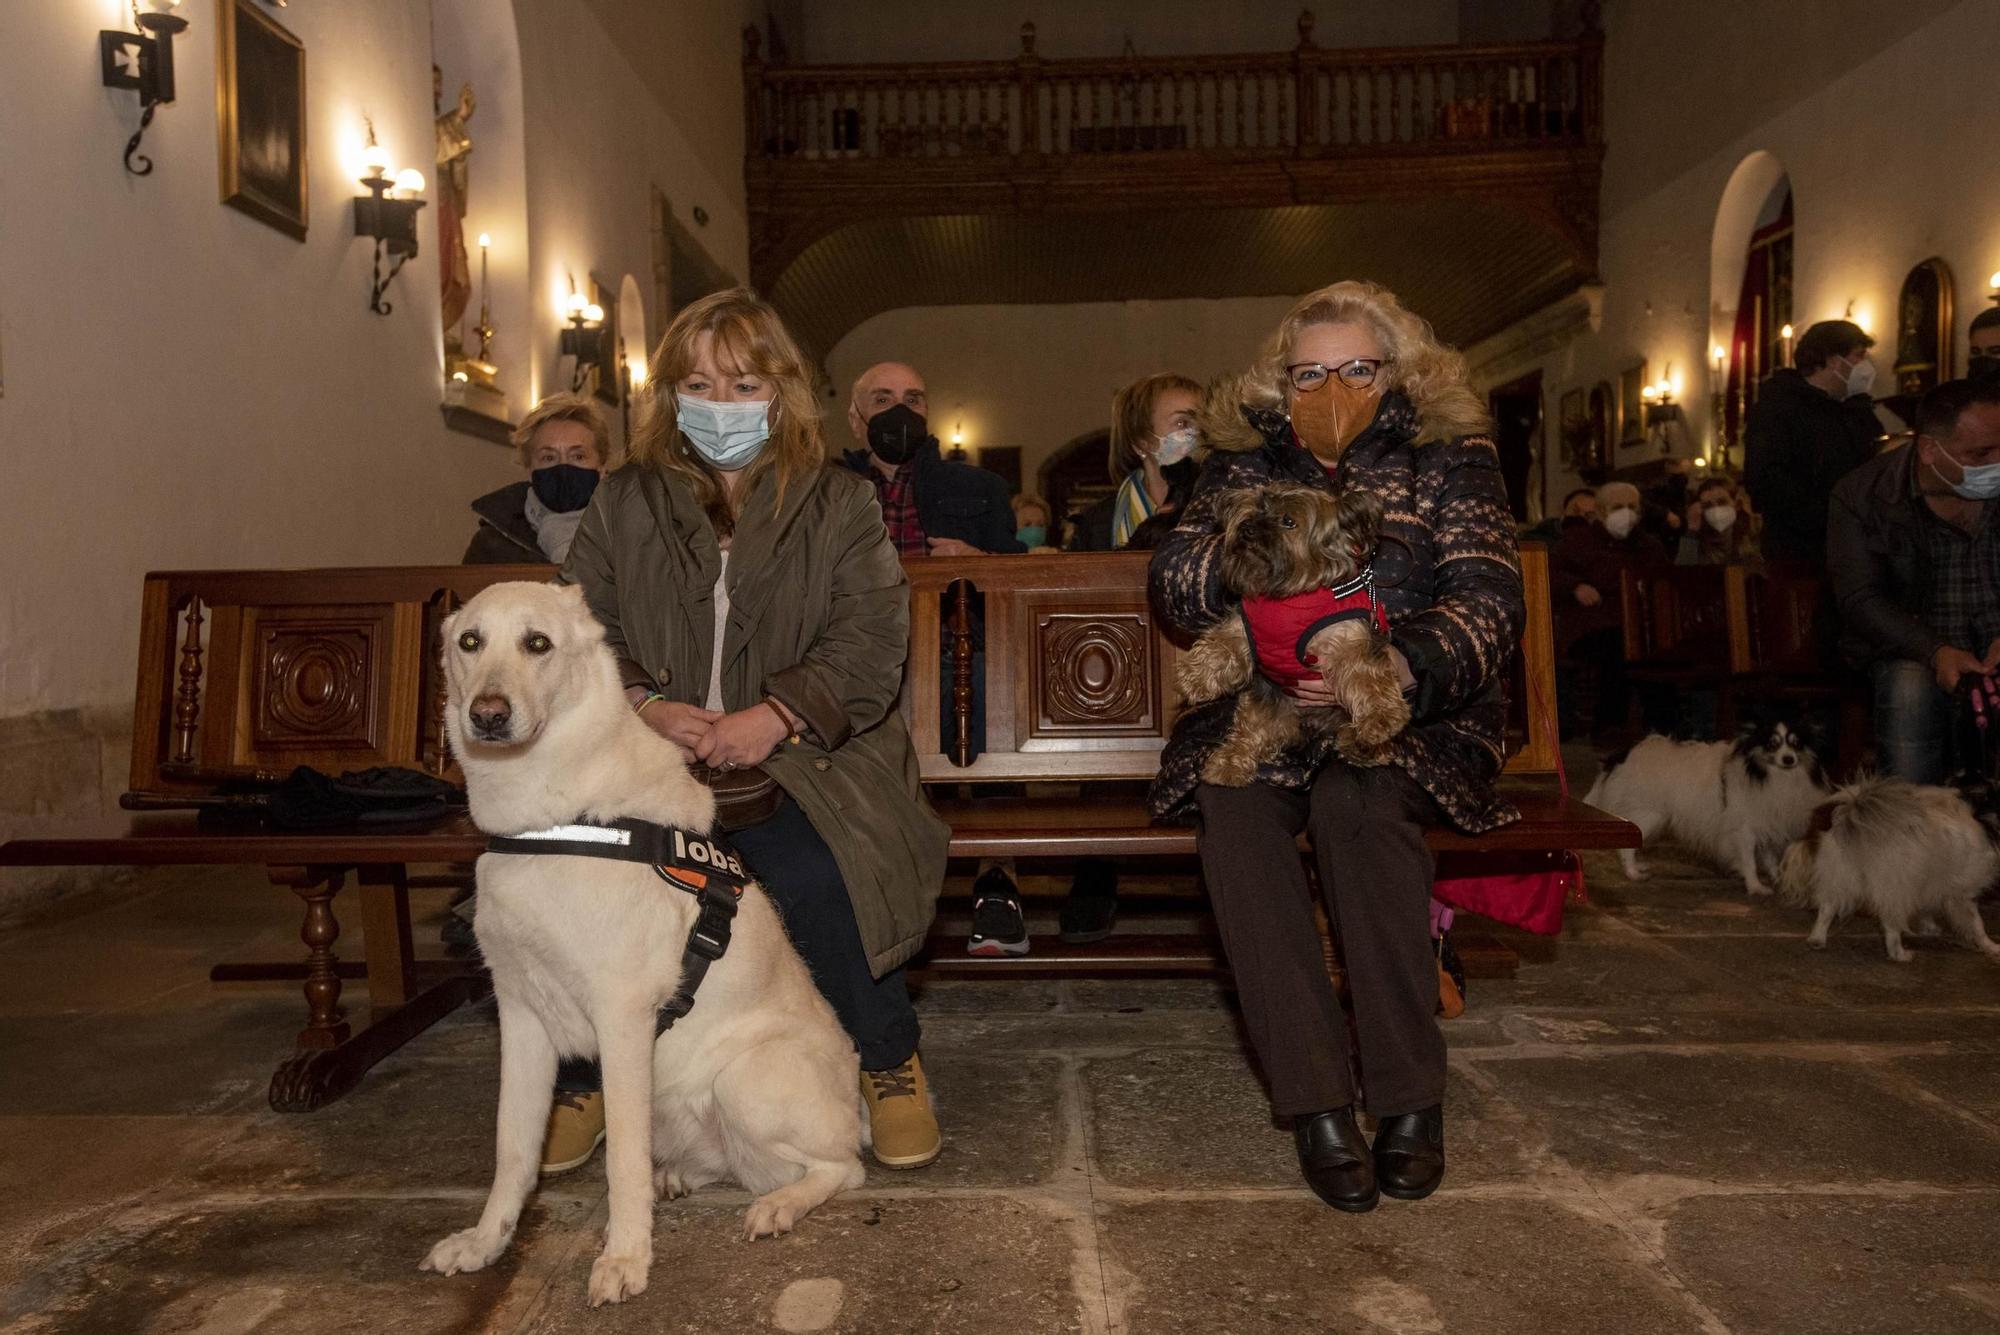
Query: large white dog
x,y
756,1084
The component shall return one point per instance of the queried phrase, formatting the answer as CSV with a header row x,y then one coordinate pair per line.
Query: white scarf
x,y
553,532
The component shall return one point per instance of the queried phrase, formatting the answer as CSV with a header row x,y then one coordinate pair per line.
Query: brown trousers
x,y
1375,875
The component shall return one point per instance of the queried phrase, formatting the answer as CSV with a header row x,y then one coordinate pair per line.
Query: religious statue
x,y
454,163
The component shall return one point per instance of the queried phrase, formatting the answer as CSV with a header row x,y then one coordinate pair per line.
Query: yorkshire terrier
x,y
1296,558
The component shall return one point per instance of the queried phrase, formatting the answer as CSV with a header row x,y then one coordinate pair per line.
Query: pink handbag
x,y
1526,889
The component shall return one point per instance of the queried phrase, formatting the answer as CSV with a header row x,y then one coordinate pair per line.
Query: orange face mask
x,y
1327,420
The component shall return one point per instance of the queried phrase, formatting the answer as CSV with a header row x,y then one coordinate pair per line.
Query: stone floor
x,y
1676,1118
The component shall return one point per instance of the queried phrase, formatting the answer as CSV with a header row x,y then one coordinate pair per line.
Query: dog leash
x,y
689,861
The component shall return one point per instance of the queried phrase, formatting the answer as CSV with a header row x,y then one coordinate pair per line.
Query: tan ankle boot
x,y
576,1129
899,1110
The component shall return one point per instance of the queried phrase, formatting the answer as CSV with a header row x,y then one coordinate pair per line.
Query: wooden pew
x,y
1080,690
244,674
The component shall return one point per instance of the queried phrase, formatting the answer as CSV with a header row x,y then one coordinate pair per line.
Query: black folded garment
x,y
385,795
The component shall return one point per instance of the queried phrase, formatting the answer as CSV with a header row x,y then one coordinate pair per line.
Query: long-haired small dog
x,y
1279,542
1737,803
1904,852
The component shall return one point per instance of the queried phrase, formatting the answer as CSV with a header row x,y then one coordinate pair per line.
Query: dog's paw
x,y
1229,771
1757,889
669,1185
1638,872
1817,942
614,1278
768,1219
466,1250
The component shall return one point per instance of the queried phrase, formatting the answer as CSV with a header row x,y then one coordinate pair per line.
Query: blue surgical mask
x,y
1176,446
1032,535
1982,481
728,435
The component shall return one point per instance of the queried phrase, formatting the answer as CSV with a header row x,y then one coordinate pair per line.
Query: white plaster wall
x,y
1890,162
1040,376
186,387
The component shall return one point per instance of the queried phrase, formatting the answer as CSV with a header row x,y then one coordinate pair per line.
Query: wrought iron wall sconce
x,y
584,338
143,62
388,215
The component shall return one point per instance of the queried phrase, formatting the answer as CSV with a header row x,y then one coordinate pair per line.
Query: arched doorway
x,y
1074,478
1750,284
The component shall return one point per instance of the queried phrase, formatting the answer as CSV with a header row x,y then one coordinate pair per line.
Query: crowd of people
x,y
750,584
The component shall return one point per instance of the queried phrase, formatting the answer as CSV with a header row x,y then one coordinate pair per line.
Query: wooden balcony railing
x,y
1307,102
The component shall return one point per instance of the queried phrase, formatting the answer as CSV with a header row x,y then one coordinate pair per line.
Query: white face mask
x,y
1980,483
1860,377
1175,446
1720,517
728,435
1620,523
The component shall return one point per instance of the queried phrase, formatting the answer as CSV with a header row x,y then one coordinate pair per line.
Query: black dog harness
x,y
688,861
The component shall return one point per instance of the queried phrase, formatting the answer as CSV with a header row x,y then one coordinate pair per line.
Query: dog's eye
x,y
470,642
1286,521
537,643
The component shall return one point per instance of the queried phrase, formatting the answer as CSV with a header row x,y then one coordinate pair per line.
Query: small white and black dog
x,y
1737,803
1904,852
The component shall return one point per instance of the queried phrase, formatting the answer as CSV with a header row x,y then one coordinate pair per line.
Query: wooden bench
x,y
1080,691
245,674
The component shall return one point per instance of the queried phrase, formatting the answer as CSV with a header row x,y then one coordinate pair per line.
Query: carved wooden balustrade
x,y
1307,125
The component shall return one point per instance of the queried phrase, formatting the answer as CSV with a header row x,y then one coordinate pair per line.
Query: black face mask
x,y
1982,366
564,487
896,433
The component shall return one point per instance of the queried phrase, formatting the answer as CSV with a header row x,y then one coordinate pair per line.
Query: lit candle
x,y
485,243
1786,335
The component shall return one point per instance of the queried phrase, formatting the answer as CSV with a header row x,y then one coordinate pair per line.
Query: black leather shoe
x,y
1409,1153
1333,1154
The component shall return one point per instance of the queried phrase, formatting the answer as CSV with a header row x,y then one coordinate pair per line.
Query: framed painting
x,y
1632,405
1572,428
260,99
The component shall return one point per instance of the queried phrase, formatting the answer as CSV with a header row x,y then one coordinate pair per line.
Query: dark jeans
x,y
1912,722
798,872
1375,877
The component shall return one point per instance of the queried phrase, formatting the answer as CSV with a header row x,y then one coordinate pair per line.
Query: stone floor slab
x,y
330,1267
1168,1120
1718,1117
1842,1265
886,1267
1490,1266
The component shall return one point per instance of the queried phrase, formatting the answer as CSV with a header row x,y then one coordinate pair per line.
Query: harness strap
x,y
689,861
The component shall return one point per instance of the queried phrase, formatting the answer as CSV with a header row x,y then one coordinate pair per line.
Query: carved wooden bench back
x,y
1080,678
246,674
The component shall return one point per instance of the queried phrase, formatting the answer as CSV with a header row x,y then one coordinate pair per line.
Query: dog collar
x,y
688,860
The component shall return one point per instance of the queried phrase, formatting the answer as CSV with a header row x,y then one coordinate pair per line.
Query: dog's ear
x,y
1234,506
1360,516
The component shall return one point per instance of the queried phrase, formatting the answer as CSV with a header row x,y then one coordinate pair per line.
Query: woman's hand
x,y
1588,595
745,738
683,725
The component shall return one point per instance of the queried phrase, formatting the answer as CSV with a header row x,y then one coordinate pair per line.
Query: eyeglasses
x,y
1357,374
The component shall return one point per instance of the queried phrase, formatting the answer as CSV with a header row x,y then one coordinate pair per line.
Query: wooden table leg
x,y
326,1022
404,1000
385,935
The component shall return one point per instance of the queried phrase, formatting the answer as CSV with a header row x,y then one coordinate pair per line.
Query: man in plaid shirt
x,y
1914,553
932,505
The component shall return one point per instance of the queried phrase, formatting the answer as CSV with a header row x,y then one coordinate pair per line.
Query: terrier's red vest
x,y
1280,628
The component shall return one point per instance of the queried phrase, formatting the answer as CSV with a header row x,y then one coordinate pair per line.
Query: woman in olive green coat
x,y
760,617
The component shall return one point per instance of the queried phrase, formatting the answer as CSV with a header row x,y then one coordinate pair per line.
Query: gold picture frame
x,y
1632,405
260,106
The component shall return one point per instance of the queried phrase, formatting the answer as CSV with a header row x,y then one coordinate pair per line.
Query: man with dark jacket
x,y
1586,577
933,506
1914,554
1813,424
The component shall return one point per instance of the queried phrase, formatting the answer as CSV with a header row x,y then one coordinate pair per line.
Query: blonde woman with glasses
x,y
1354,392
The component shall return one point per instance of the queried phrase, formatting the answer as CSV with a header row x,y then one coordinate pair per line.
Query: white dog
x,y
1902,851
1737,803
757,1084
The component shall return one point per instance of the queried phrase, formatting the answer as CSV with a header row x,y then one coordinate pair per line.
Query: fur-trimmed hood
x,y
1230,424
